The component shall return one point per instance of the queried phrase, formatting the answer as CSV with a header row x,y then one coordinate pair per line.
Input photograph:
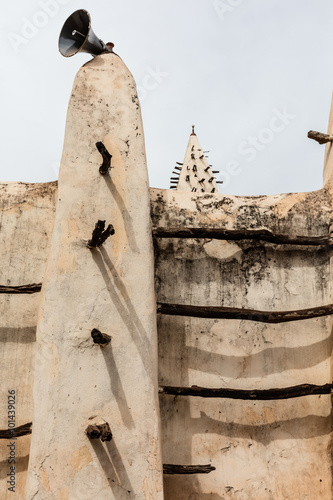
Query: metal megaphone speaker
x,y
77,36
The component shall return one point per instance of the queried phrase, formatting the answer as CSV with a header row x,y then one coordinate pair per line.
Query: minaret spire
x,y
195,174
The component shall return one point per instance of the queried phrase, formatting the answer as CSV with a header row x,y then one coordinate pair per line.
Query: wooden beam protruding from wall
x,y
102,432
220,312
33,288
262,395
100,338
107,157
22,430
187,469
241,234
100,234
320,137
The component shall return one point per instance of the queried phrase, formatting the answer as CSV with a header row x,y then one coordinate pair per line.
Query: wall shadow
x,y
181,360
121,300
23,335
117,387
182,487
21,465
308,427
113,466
128,225
266,362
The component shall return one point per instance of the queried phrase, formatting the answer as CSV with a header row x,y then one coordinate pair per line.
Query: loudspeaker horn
x,y
77,36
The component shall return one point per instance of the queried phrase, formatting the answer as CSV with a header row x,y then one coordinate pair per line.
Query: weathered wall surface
x,y
265,450
261,449
26,222
110,288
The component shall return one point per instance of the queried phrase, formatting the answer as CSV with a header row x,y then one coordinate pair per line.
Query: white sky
x,y
228,66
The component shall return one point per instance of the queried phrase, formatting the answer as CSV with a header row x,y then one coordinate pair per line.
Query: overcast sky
x,y
254,76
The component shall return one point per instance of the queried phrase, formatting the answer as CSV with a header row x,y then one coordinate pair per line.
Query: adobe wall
x,y
261,449
26,221
264,449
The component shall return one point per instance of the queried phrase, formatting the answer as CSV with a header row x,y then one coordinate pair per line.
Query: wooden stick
x,y
100,338
102,432
320,137
238,235
33,288
219,312
23,430
100,234
262,395
187,469
104,168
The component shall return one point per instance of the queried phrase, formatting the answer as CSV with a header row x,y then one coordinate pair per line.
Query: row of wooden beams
x,y
208,233
262,395
244,234
33,288
220,312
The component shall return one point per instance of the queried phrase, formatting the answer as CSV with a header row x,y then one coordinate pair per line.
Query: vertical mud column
x,y
109,288
328,185
328,161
